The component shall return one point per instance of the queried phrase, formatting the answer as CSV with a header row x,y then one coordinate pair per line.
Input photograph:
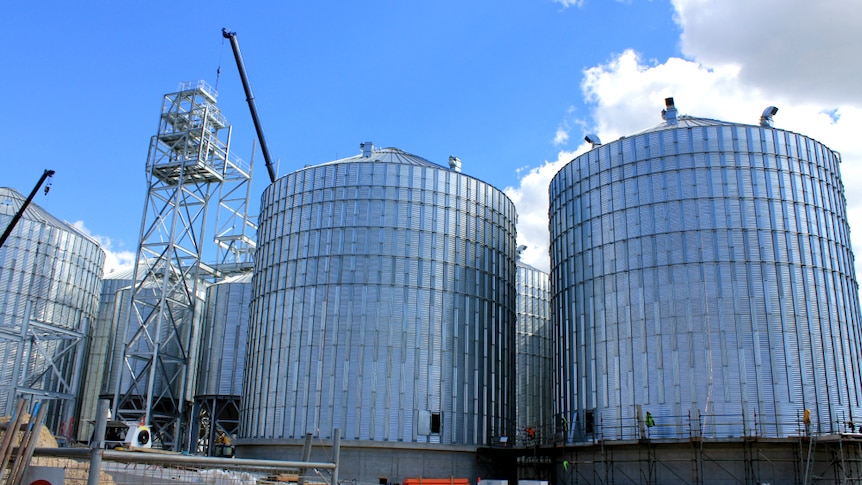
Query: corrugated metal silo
x,y
101,349
702,272
222,360
383,304
534,360
53,271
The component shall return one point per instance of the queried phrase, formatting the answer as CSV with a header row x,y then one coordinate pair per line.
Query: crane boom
x,y
17,216
250,99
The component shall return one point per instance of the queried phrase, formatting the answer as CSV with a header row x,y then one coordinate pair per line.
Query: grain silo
x,y
534,357
383,305
221,363
703,289
50,274
101,350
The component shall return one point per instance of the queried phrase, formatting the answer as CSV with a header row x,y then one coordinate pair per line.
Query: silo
x,y
101,349
702,272
221,361
383,305
50,274
534,357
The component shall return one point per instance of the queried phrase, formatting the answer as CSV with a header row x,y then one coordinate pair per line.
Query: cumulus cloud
x,y
627,94
531,199
728,82
570,3
115,260
799,48
561,137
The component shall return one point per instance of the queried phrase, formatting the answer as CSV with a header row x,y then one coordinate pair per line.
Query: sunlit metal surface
x,y
221,361
534,370
383,304
102,350
225,333
704,268
53,270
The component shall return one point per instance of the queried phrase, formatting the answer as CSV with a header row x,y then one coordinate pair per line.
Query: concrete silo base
x,y
800,460
373,462
830,458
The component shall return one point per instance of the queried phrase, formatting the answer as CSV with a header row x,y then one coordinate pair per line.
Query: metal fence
x,y
658,426
140,468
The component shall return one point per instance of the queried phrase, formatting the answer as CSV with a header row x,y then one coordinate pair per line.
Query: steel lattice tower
x,y
190,174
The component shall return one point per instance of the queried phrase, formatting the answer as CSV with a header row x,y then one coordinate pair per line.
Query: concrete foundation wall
x,y
368,462
749,462
834,459
679,463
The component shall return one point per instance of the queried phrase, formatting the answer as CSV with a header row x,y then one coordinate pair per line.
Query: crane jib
x,y
249,97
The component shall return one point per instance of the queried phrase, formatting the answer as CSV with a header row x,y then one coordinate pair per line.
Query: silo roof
x,y
685,121
389,155
239,278
529,267
11,201
122,274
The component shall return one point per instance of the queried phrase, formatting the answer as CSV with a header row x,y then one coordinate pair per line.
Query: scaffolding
x,y
43,353
698,452
190,173
217,424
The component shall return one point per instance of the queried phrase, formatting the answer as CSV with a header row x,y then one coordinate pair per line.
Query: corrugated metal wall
x,y
224,337
101,350
58,269
122,332
704,269
535,350
383,294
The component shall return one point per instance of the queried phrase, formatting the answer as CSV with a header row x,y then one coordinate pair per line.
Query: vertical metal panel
x,y
224,338
534,363
101,354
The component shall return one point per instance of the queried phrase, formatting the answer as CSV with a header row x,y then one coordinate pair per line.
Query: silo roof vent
x,y
669,113
454,163
367,147
766,117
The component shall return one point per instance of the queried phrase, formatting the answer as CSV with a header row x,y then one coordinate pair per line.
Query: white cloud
x,y
580,3
799,48
561,137
728,82
531,199
570,3
114,260
627,94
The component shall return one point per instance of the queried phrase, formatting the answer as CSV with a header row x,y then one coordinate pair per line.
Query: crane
x,y
17,216
249,97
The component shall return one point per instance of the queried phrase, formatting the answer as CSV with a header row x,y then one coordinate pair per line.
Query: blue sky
x,y
510,87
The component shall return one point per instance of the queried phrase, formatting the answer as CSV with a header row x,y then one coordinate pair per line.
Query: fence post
x,y
336,449
12,428
306,456
97,444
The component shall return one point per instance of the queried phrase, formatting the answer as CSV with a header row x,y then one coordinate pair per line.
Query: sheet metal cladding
x,y
383,304
702,271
